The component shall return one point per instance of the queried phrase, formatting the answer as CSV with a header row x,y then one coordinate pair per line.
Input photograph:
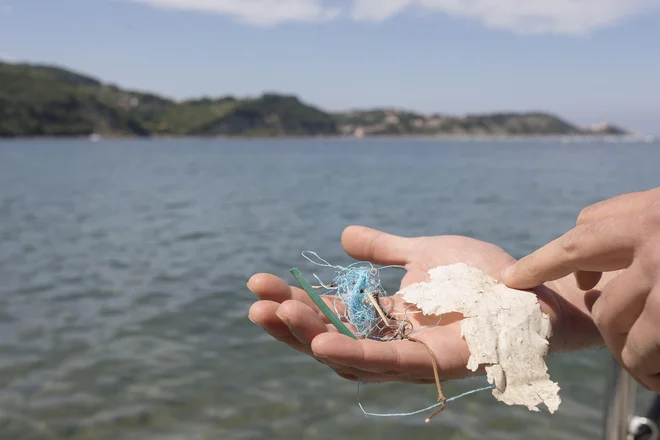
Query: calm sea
x,y
123,267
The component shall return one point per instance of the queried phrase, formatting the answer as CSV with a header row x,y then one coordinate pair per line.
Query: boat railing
x,y
621,420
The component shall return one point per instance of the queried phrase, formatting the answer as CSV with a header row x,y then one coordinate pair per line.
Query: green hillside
x,y
49,101
37,101
390,122
40,100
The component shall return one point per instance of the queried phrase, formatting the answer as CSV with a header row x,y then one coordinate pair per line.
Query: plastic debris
x,y
504,328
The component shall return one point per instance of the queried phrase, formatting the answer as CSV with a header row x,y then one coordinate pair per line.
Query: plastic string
x,y
451,399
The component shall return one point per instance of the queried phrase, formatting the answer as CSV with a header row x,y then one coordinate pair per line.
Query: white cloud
x,y
378,10
568,17
255,12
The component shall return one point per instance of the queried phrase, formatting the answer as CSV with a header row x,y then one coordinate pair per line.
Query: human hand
x,y
618,206
619,234
290,316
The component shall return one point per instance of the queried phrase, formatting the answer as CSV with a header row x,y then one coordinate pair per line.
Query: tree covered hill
x,y
37,100
44,100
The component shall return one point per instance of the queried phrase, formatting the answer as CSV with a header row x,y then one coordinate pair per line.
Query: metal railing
x,y
621,423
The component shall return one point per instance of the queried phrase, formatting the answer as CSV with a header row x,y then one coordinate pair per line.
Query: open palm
x,y
289,315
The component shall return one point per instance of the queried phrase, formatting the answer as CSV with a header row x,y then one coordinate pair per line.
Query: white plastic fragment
x,y
504,328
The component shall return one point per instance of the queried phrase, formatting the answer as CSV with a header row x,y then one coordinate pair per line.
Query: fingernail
x,y
292,329
508,273
283,319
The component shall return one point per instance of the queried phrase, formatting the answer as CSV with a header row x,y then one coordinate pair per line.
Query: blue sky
x,y
586,60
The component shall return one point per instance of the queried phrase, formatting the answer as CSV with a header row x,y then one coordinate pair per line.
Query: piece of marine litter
x,y
512,349
504,328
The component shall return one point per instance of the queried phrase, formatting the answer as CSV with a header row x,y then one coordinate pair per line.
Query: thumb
x,y
366,244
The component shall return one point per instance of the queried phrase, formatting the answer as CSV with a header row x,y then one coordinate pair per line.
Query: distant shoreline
x,y
55,102
476,138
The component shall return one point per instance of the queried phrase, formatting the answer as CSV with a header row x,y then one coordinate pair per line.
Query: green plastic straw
x,y
321,304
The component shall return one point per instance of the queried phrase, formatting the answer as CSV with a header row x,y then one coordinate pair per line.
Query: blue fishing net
x,y
357,291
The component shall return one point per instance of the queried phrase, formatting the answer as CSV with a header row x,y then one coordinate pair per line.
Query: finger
x,y
264,314
303,322
367,377
271,288
587,280
651,383
641,352
395,358
618,206
605,245
620,306
366,244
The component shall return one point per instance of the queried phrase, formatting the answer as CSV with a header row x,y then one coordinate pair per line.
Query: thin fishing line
x,y
412,413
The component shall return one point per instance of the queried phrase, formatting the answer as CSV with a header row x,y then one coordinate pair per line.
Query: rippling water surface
x,y
123,267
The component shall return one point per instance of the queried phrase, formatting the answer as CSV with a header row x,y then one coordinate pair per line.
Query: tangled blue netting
x,y
352,288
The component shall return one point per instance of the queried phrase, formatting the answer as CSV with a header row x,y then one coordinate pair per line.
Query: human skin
x,y
622,233
288,314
